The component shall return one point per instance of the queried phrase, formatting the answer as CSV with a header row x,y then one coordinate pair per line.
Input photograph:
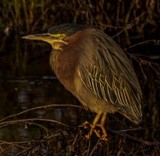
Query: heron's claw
x,y
100,133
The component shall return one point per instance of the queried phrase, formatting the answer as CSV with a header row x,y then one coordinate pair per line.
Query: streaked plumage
x,y
95,70
112,78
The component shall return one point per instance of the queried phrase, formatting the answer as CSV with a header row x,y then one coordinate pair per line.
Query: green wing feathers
x,y
112,77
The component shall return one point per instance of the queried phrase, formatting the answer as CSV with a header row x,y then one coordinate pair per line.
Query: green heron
x,y
95,70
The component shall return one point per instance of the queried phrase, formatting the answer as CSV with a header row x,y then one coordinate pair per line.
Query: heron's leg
x,y
101,125
94,124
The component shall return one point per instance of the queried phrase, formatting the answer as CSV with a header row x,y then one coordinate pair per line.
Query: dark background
x,y
25,73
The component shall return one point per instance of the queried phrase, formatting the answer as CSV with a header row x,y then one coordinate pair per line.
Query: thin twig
x,y
40,107
149,143
141,43
95,147
6,123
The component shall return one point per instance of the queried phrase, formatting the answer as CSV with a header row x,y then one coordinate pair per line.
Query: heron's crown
x,y
67,28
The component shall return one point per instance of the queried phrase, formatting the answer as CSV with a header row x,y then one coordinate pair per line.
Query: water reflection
x,y
24,94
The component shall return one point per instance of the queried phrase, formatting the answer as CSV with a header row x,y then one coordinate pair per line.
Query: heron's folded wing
x,y
111,77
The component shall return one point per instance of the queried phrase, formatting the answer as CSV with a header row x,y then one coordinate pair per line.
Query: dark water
x,y
20,95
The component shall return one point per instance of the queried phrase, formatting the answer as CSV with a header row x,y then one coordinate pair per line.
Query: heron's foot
x,y
98,129
86,125
100,132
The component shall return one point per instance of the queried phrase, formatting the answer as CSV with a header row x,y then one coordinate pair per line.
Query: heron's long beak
x,y
49,38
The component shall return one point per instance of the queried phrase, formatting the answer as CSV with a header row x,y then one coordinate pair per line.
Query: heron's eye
x,y
62,36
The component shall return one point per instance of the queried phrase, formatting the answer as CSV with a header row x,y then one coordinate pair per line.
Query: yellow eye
x,y
62,36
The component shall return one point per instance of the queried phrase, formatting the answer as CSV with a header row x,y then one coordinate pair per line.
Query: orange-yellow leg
x,y
95,124
101,125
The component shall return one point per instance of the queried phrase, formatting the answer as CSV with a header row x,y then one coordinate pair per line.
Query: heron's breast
x,y
64,65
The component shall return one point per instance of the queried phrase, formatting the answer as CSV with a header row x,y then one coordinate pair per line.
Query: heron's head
x,y
58,35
